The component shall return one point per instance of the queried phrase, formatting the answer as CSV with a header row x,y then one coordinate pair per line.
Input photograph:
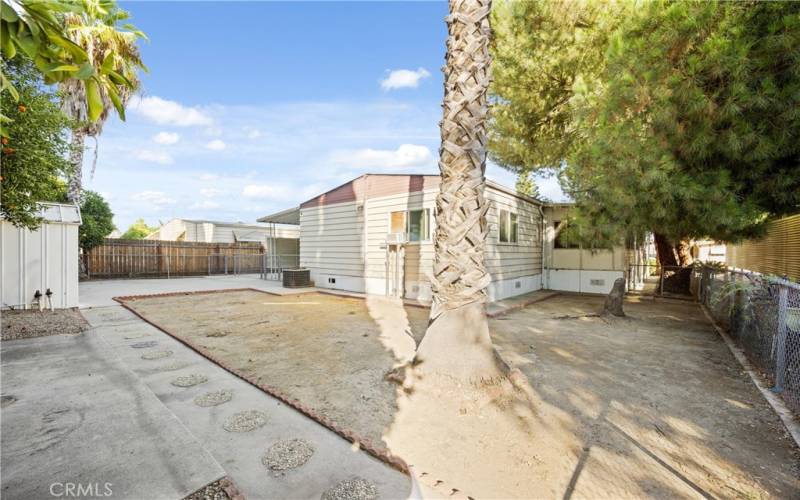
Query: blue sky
x,y
253,107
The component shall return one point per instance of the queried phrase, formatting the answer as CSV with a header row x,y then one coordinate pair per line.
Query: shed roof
x,y
60,213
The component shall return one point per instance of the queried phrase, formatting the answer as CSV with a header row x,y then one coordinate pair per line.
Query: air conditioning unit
x,y
396,239
296,278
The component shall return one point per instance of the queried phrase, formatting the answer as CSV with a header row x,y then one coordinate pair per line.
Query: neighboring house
x,y
286,238
708,251
374,235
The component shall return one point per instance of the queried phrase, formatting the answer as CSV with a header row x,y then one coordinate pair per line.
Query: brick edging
x,y
130,298
230,489
395,462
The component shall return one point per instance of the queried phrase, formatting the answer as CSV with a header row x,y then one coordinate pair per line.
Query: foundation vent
x,y
597,282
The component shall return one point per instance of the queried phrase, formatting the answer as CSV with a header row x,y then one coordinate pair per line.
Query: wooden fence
x,y
117,258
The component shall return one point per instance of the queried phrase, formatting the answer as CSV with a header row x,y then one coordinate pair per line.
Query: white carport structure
x,y
274,262
39,268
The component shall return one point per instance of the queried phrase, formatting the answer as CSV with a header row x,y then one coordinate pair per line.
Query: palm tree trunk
x,y
76,161
457,341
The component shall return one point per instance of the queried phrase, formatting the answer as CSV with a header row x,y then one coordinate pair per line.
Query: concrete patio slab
x,y
100,293
79,416
240,454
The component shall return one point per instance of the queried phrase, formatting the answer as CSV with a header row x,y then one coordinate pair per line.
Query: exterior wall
x,y
214,232
418,255
332,245
38,260
579,269
170,231
515,268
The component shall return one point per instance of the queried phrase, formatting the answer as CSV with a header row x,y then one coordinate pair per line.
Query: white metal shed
x,y
42,260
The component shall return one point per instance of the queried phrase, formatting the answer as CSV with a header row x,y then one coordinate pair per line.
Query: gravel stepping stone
x,y
189,380
245,421
143,345
157,355
287,454
214,398
354,488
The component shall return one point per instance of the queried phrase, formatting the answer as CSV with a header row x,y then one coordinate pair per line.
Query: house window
x,y
414,223
509,227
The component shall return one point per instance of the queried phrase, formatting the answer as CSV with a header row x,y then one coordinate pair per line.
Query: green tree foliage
x,y
544,53
34,161
37,29
527,185
689,126
98,220
138,230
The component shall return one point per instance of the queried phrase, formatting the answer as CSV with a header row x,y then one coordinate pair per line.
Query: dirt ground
x,y
328,352
653,405
23,324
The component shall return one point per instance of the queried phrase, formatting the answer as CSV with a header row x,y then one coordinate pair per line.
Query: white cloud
x,y
265,191
404,78
251,133
166,138
159,157
157,198
165,112
208,177
405,156
205,205
210,192
215,145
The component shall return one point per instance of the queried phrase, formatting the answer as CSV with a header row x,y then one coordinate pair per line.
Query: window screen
x,y
419,225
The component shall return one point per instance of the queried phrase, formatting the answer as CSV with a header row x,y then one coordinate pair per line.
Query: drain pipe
x,y
542,227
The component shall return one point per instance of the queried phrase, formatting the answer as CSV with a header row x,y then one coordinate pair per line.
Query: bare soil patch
x,y
652,405
328,352
24,324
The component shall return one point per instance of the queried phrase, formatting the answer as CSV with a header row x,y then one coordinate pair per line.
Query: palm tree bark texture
x,y
457,341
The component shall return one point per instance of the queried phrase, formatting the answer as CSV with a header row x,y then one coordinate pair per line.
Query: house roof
x,y
288,216
368,186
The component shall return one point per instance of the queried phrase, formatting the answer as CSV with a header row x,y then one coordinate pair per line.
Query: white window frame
x,y
506,220
427,238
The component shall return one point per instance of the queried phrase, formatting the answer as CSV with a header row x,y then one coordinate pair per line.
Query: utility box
x,y
41,260
296,278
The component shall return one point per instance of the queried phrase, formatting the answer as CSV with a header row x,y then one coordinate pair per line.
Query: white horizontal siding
x,y
513,260
419,256
331,239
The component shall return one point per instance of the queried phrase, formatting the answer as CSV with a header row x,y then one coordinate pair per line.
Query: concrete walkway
x,y
240,454
73,413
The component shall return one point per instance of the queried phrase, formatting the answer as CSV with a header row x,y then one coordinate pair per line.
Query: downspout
x,y
542,226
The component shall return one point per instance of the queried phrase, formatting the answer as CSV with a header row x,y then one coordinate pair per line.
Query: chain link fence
x,y
762,314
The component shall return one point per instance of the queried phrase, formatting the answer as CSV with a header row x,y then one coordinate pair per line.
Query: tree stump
x,y
614,299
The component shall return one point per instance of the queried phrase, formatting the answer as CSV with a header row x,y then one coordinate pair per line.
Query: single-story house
x,y
285,238
373,235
